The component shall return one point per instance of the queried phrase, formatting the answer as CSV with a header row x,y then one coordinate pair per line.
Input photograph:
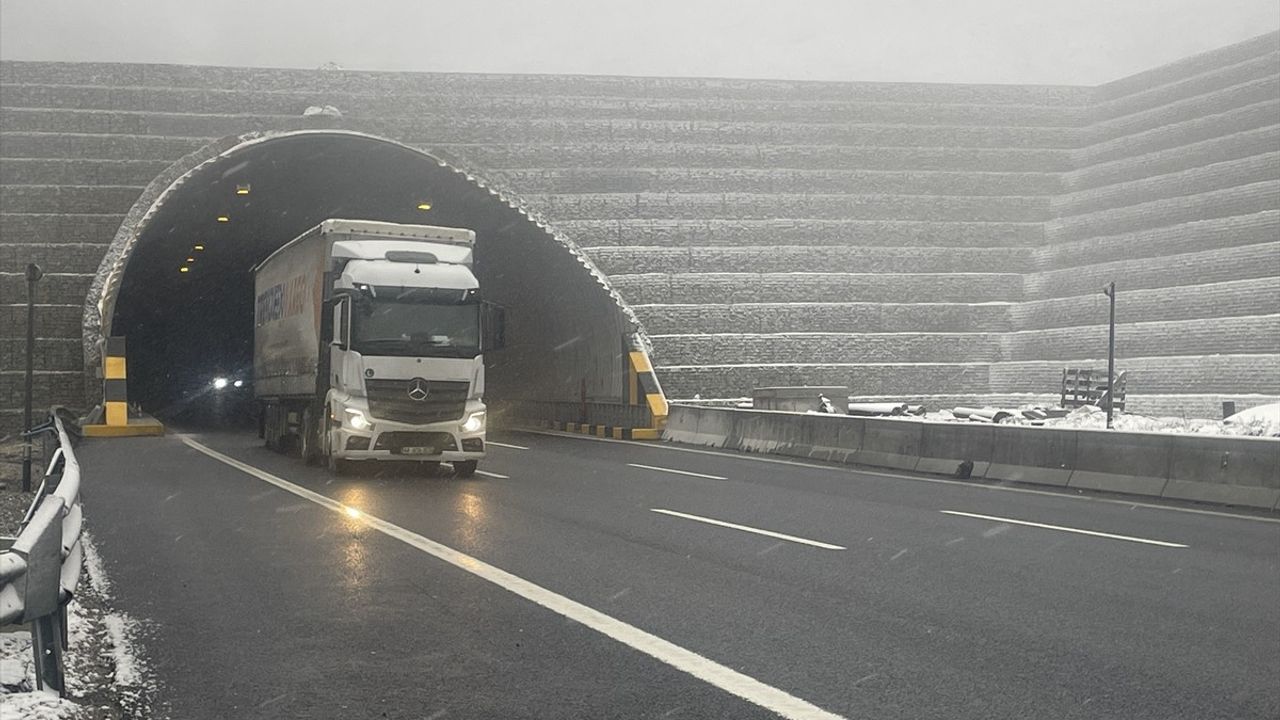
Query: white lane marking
x,y
1078,531
709,671
493,475
745,528
677,472
870,471
505,445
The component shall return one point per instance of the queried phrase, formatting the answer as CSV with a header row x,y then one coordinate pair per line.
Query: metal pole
x,y
1111,353
34,273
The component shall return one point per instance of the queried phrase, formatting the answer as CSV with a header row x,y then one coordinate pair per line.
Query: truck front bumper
x,y
444,441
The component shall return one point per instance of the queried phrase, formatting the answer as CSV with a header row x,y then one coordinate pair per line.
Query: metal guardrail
x,y
40,568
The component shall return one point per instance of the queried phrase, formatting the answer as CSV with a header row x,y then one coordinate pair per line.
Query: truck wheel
x,y
465,469
309,440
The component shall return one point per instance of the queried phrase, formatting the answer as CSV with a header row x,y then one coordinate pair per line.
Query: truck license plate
x,y
417,451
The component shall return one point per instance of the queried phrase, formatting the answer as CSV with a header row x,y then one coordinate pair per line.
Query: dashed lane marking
x,y
676,472
1059,528
747,528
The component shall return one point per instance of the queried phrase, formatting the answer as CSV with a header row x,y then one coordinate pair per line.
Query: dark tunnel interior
x,y
185,302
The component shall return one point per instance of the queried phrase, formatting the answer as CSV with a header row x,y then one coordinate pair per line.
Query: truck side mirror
x,y
493,323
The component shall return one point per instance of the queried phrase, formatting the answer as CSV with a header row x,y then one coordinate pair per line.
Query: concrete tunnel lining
x,y
541,356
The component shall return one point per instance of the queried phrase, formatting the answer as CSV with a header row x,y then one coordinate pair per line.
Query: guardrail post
x,y
46,643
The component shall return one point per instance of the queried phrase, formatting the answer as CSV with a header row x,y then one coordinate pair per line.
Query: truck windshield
x,y
417,322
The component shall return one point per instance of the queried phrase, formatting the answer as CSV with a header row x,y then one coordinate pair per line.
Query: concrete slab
x,y
137,427
1244,496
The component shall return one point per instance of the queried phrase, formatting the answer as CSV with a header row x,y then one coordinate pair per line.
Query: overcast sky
x,y
1026,41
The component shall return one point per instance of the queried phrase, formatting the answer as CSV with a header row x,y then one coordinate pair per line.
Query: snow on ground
x,y
38,706
106,674
121,631
93,566
1263,421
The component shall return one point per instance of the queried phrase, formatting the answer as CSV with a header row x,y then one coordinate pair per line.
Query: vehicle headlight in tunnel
x,y
219,383
357,420
474,423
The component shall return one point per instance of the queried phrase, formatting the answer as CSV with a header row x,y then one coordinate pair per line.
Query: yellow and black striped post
x,y
643,389
115,391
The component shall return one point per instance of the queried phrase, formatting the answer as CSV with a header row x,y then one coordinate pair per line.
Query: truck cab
x,y
405,357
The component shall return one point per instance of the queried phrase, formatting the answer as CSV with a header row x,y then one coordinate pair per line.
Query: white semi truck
x,y
368,340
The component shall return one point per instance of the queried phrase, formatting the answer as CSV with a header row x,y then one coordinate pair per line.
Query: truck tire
x,y
336,465
309,440
271,427
465,468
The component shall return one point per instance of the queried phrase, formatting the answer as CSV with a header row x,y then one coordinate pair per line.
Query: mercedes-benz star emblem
x,y
419,389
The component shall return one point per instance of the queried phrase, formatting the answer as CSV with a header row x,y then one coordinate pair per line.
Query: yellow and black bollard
x,y
115,390
115,399
644,390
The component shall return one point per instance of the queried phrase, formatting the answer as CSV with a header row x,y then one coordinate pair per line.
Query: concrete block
x,y
1257,497
698,425
1226,460
1231,470
765,432
835,438
1133,463
890,443
797,399
944,447
1043,456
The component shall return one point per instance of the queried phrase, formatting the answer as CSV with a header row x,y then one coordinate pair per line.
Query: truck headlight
x,y
473,423
356,420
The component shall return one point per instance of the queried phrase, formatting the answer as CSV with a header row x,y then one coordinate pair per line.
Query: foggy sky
x,y
1002,41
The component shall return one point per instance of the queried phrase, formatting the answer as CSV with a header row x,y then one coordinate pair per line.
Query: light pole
x,y
1110,292
34,273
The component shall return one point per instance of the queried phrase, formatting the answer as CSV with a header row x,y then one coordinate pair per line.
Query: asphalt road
x,y
761,583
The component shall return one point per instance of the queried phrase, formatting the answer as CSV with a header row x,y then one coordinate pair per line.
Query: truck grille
x,y
431,400
396,441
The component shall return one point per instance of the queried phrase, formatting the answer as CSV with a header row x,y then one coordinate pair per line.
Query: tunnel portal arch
x,y
240,197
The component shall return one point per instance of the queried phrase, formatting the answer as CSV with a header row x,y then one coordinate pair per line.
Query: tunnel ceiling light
x,y
424,205
191,259
223,218
243,189
184,268
198,248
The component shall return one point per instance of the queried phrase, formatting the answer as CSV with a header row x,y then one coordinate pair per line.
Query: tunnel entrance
x,y
177,281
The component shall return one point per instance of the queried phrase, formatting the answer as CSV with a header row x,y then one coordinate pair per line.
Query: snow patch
x,y
121,631
37,706
93,565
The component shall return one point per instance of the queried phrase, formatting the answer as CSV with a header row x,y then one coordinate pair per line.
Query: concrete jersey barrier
x,y
1241,471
